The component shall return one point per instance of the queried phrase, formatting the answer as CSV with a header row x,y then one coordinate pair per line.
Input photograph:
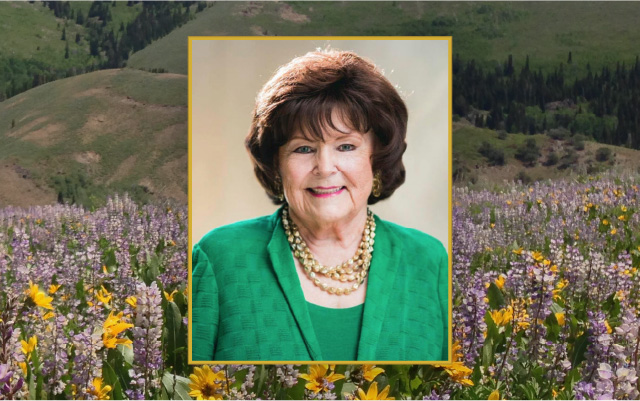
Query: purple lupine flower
x,y
287,375
146,342
86,363
55,355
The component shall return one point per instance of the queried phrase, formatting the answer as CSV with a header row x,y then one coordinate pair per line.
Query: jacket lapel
x,y
287,276
382,273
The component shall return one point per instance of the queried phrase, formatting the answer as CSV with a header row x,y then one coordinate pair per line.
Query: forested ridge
x,y
109,46
603,104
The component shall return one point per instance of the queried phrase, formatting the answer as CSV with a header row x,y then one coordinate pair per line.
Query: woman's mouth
x,y
325,192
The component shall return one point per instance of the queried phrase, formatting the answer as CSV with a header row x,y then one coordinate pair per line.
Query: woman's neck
x,y
335,242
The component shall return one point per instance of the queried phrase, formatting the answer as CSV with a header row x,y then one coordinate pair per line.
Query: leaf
x,y
340,369
181,386
573,376
348,388
297,392
496,299
127,353
579,349
173,325
487,353
109,376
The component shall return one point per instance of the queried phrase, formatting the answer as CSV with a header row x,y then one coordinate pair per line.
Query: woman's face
x,y
327,182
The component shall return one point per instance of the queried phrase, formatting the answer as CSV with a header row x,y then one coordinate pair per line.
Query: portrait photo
x,y
319,199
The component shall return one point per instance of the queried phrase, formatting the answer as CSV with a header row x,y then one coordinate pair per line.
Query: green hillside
x,y
471,167
595,32
85,136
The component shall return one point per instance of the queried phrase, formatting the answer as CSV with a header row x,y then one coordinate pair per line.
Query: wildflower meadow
x,y
93,304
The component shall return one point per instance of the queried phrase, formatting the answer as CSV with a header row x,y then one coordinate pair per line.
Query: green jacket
x,y
248,304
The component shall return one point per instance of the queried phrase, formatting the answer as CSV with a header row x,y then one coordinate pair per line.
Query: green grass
x,y
467,141
31,31
133,108
120,13
595,32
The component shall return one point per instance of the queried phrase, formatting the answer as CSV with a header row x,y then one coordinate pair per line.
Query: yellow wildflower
x,y
509,202
28,347
560,318
517,251
493,225
537,256
456,370
502,317
614,231
500,281
554,393
495,395
133,301
38,297
23,366
98,391
48,315
206,384
112,327
623,208
168,296
369,372
622,217
520,316
53,288
103,295
104,269
609,330
372,393
605,222
316,378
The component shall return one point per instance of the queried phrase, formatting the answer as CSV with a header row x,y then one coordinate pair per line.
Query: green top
x,y
247,303
337,330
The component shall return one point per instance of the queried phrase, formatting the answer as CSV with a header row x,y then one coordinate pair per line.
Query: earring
x,y
280,190
376,189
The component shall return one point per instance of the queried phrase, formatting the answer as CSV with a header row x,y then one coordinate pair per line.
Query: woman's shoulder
x,y
242,233
412,238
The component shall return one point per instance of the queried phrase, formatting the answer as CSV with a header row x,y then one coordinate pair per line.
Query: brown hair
x,y
301,97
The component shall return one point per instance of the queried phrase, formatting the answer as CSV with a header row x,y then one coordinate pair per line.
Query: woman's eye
x,y
346,147
303,149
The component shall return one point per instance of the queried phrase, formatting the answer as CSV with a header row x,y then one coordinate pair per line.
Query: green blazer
x,y
248,305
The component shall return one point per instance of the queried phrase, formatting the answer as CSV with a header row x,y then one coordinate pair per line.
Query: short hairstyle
x,y
301,97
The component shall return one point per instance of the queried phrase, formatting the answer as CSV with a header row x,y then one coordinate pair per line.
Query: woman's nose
x,y
325,162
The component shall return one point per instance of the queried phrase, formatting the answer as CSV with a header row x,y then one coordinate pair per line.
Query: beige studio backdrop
x,y
226,75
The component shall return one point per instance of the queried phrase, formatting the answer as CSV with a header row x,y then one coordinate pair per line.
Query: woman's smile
x,y
325,192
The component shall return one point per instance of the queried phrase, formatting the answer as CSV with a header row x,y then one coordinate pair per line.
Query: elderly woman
x,y
323,278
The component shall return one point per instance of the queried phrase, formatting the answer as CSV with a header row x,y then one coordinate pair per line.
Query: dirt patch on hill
x,y
124,169
23,191
93,126
251,10
21,130
170,135
15,102
173,174
91,92
258,31
169,75
89,157
286,12
46,136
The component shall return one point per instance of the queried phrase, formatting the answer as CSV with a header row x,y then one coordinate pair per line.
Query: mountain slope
x,y
111,130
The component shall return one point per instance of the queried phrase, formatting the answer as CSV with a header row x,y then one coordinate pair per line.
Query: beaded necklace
x,y
354,270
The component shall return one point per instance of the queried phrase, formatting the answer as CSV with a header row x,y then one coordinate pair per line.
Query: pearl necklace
x,y
354,270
